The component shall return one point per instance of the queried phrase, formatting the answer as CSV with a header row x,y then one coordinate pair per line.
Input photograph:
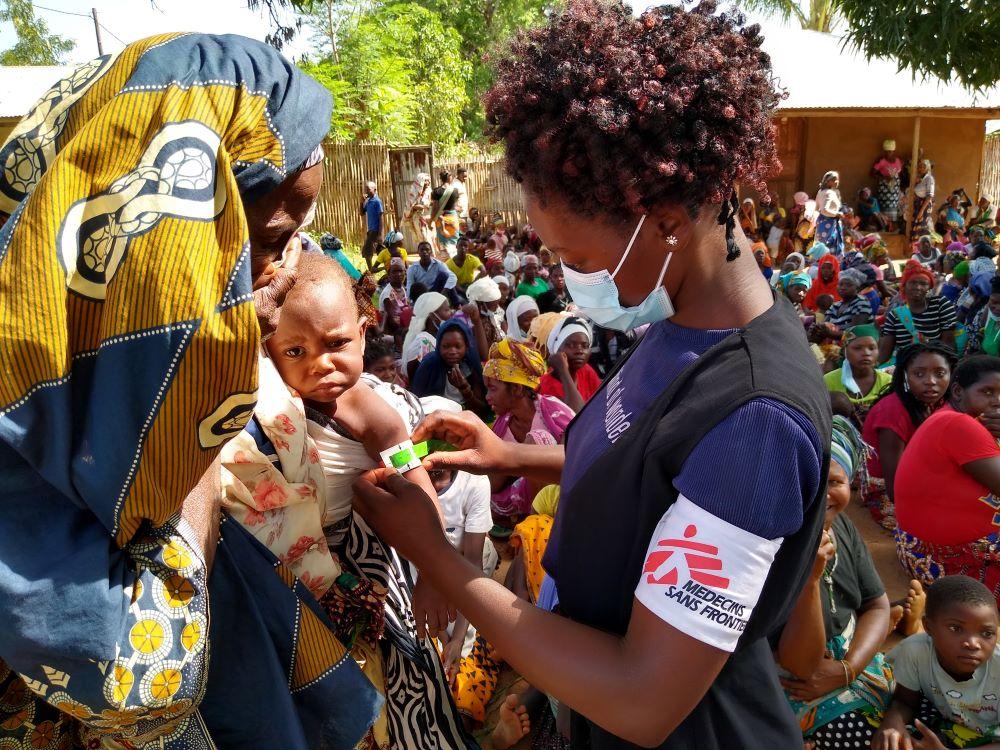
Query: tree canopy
x,y
950,39
35,44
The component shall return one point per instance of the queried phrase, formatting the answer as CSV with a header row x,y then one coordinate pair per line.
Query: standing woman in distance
x,y
628,136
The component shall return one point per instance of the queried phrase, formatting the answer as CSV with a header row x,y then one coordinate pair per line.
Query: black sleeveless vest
x,y
607,518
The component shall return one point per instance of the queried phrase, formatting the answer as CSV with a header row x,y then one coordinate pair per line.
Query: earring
x,y
906,384
670,240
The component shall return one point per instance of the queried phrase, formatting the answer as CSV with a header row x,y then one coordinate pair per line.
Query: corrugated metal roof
x,y
820,73
23,85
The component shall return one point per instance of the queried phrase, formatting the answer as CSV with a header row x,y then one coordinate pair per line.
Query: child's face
x,y
319,345
383,368
964,636
838,492
442,479
824,302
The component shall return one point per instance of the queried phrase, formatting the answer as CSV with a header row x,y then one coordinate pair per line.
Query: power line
x,y
64,12
125,44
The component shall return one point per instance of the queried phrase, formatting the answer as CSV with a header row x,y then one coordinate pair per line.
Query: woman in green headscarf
x,y
987,324
836,680
858,376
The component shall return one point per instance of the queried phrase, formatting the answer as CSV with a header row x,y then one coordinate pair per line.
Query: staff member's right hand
x,y
401,514
480,451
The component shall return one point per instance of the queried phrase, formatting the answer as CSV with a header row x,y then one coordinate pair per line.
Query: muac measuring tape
x,y
405,456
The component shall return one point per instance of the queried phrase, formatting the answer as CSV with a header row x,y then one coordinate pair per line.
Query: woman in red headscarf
x,y
921,318
825,283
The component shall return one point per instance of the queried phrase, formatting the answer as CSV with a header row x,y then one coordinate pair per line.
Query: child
x,y
380,361
319,424
823,304
954,666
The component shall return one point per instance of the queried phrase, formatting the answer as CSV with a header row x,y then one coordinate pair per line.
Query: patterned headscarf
x,y
846,447
915,269
514,362
127,366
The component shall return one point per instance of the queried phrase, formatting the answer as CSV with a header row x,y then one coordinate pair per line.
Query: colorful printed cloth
x,y
532,536
830,231
129,347
869,694
927,562
276,488
513,362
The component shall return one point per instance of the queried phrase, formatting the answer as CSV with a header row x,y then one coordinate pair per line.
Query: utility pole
x,y
97,31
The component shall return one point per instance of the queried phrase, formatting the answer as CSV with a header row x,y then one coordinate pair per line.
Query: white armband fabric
x,y
704,575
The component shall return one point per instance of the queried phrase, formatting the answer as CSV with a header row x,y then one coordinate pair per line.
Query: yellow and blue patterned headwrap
x,y
128,356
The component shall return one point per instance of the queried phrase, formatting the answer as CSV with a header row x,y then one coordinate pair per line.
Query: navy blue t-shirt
x,y
374,211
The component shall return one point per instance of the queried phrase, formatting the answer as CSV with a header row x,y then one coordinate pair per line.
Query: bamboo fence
x,y
989,182
348,166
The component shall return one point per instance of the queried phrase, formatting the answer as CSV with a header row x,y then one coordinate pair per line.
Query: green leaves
x,y
35,45
950,39
401,77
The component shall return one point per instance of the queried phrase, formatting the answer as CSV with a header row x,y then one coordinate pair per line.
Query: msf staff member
x,y
675,553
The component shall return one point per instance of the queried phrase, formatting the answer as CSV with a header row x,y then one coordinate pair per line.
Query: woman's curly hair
x,y
601,109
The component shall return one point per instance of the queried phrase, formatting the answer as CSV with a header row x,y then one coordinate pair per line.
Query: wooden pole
x,y
97,32
913,178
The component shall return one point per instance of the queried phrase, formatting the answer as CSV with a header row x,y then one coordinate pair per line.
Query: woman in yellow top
x,y
393,249
857,377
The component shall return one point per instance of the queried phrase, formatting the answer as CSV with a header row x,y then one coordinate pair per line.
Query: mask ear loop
x,y
727,216
628,248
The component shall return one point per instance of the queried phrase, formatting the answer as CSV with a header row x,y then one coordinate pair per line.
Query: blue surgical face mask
x,y
596,294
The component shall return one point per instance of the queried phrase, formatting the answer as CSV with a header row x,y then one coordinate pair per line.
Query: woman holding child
x,y
647,235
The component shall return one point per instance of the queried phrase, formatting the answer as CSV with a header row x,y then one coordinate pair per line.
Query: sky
x,y
129,20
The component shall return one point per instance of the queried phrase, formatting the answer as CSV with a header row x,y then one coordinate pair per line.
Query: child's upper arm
x,y
373,421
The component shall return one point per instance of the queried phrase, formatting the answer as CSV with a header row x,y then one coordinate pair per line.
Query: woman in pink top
x,y
919,387
887,170
513,375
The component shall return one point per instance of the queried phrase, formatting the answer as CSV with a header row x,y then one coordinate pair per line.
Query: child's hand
x,y
451,655
890,738
430,610
929,741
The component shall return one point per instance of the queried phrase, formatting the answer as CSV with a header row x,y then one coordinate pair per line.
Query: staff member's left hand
x,y
829,676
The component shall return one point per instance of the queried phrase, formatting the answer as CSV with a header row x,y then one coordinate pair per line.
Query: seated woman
x,y
948,484
869,211
430,310
852,309
827,279
566,345
986,325
393,249
921,317
513,375
926,253
486,295
453,370
836,680
857,376
919,388
796,285
520,312
394,307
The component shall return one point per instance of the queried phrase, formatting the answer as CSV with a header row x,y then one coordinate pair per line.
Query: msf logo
x,y
699,559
